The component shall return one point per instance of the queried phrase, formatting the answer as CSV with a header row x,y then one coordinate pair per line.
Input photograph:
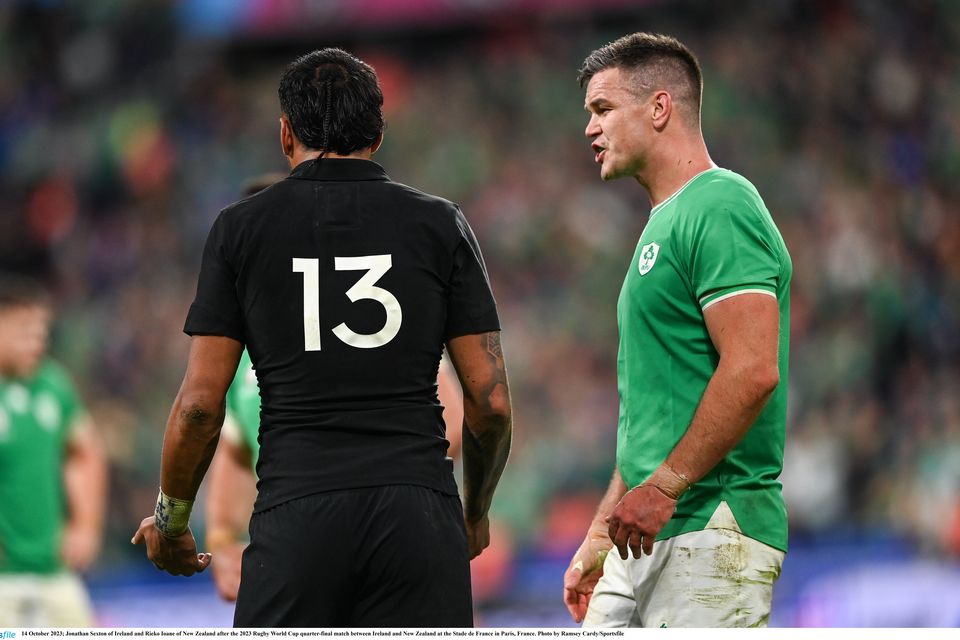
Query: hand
x,y
79,546
585,570
638,518
177,556
226,570
478,536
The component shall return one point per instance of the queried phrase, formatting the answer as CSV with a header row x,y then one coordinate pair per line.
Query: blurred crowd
x,y
123,133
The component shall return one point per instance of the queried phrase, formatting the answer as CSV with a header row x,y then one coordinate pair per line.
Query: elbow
x,y
201,414
493,414
764,379
498,404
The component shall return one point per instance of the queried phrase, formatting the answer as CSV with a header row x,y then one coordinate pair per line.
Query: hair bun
x,y
329,72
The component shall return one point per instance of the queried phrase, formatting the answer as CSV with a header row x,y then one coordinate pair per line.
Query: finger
x,y
612,525
582,607
140,536
572,602
635,543
623,535
203,561
648,544
573,576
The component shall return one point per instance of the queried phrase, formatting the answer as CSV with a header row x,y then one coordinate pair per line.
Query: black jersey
x,y
344,286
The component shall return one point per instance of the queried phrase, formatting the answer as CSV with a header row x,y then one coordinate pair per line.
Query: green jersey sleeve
x,y
61,386
733,248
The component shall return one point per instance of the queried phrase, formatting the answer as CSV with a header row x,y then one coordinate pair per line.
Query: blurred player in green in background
x,y
53,473
233,491
694,508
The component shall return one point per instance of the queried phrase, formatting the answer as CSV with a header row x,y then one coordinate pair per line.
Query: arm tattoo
x,y
492,343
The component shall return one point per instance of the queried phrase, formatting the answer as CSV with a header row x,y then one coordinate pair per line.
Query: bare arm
x,y
487,426
448,390
586,567
189,442
231,493
230,497
745,332
85,482
193,427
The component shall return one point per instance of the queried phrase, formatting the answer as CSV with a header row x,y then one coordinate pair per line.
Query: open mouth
x,y
599,157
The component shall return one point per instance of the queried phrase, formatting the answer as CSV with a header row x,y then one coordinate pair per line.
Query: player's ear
x,y
660,109
287,140
376,143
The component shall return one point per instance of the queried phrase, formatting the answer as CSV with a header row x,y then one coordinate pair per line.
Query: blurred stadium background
x,y
126,126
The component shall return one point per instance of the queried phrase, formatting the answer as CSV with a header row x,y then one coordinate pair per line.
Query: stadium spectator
x,y
50,457
704,318
352,451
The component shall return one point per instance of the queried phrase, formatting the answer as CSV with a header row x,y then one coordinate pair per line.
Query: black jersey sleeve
x,y
471,307
216,309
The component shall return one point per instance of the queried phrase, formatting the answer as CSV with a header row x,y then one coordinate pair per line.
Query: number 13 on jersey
x,y
364,289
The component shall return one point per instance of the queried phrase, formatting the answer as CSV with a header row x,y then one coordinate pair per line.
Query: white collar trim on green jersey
x,y
660,206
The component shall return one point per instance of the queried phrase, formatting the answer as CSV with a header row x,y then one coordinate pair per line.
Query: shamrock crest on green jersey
x,y
648,256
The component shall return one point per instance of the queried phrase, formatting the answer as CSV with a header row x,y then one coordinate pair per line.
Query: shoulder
x,y
259,201
427,202
54,377
52,372
721,199
722,188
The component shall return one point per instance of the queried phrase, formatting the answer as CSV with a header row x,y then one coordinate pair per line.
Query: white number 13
x,y
364,289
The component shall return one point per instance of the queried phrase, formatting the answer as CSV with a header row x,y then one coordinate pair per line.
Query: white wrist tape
x,y
669,481
172,515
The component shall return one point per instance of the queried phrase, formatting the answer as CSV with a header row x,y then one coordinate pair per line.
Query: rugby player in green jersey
x,y
53,473
694,508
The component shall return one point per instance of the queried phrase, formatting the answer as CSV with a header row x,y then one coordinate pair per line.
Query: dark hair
x,y
333,101
665,57
21,291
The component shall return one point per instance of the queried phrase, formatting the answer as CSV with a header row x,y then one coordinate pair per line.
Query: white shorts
x,y
710,578
33,600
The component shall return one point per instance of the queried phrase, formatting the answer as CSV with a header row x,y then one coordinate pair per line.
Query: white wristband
x,y
172,515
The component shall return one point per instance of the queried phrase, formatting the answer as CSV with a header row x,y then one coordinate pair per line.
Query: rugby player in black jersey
x,y
344,286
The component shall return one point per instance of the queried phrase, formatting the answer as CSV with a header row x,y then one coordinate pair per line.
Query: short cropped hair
x,y
333,101
22,291
663,59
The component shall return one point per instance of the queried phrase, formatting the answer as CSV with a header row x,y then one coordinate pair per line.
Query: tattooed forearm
x,y
488,422
492,343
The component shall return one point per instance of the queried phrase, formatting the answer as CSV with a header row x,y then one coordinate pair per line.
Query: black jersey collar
x,y
339,170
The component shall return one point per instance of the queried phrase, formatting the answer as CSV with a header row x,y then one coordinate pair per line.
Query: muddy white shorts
x,y
709,578
32,600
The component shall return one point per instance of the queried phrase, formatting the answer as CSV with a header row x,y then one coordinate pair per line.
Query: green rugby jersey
x,y
35,419
243,403
712,239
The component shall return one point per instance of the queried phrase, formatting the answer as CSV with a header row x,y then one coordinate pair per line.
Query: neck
x,y
302,154
674,164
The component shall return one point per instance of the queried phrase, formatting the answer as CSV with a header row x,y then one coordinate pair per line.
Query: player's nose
x,y
593,127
